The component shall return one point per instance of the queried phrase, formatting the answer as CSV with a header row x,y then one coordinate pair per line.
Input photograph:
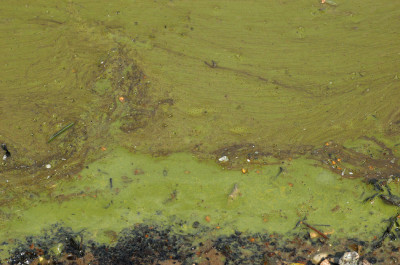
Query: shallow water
x,y
307,87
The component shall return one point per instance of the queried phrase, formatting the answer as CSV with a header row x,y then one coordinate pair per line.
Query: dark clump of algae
x,y
295,86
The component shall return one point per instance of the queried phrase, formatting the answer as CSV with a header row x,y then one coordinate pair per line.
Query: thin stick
x,y
60,132
312,228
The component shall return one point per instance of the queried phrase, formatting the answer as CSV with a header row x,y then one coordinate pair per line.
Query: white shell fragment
x,y
223,159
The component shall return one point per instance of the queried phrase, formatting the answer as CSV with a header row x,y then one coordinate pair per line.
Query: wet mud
x,y
367,158
144,244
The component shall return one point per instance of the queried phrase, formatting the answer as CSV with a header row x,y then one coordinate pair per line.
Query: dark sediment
x,y
144,244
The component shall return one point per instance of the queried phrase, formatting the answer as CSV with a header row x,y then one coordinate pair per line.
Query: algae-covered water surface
x,y
212,120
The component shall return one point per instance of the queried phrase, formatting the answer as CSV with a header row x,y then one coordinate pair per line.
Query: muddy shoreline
x,y
144,244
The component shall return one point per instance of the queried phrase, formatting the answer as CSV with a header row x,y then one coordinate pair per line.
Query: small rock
x,y
318,257
48,166
313,235
349,258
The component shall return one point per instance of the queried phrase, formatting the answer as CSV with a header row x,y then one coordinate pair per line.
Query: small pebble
x,y
318,257
48,166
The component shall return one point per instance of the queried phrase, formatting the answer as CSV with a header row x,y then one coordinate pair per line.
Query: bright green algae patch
x,y
167,191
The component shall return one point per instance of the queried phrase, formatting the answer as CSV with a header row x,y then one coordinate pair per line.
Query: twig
x,y
314,229
60,132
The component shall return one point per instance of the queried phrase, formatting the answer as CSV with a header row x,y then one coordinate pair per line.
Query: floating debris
x,y
7,154
213,64
126,179
390,199
329,2
60,131
172,196
279,172
388,231
234,193
311,227
138,171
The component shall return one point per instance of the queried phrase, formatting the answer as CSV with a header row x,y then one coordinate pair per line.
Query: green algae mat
x,y
206,117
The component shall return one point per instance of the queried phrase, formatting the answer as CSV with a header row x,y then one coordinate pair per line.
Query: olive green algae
x,y
166,191
286,74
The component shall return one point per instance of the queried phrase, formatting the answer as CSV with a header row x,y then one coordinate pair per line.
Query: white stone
x,y
349,258
48,166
